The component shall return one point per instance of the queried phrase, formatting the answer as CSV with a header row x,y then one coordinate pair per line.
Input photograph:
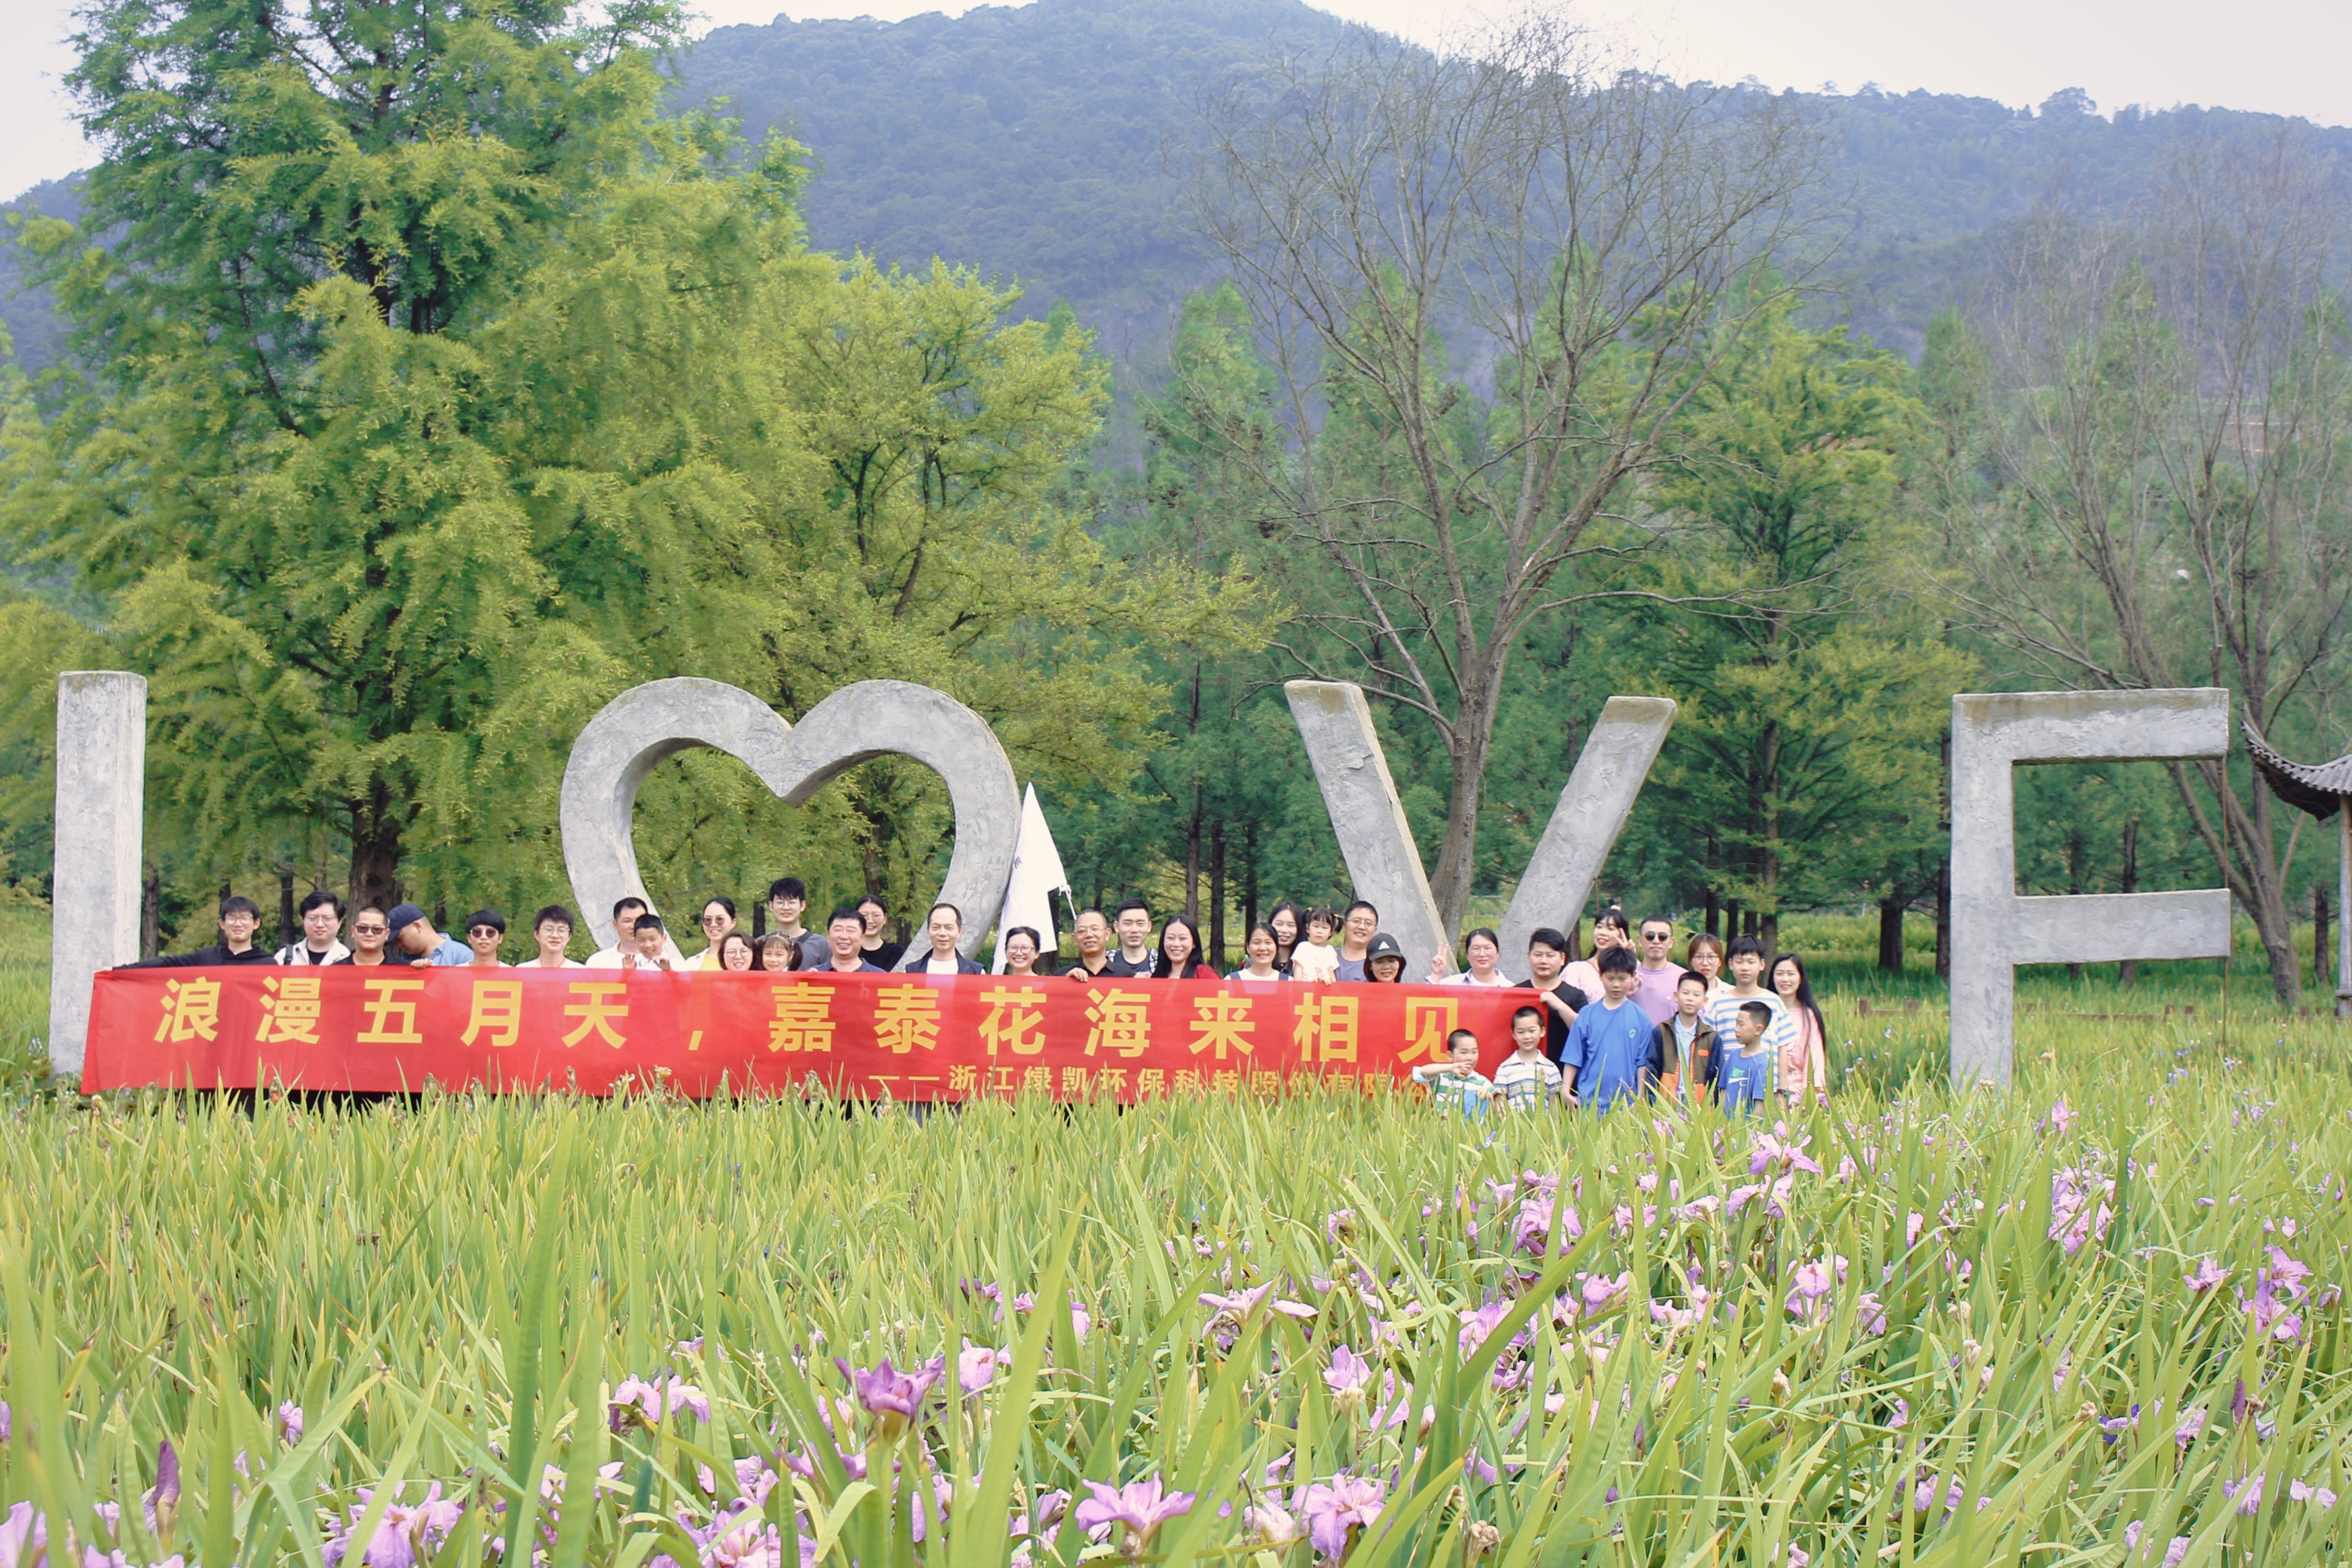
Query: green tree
x,y
571,408
1808,742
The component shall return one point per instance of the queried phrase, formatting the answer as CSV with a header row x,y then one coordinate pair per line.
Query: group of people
x,y
1728,1022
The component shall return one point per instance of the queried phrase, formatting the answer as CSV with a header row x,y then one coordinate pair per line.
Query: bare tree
x,y
1411,229
2170,449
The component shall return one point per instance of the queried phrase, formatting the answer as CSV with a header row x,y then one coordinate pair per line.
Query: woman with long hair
x,y
1288,923
718,920
876,948
1179,952
1384,960
1805,1061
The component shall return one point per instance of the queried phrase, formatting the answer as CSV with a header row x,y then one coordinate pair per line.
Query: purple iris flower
x,y
1340,1508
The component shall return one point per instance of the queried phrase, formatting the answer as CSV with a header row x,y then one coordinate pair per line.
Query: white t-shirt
x,y
1501,982
941,966
610,958
1310,962
567,964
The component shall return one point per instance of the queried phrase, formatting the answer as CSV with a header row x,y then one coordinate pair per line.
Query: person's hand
x,y
628,960
1436,967
420,963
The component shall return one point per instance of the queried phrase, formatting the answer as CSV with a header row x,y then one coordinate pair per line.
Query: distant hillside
x,y
1028,141
36,330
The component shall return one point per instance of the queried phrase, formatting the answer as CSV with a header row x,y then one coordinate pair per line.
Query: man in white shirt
x,y
945,928
322,924
624,925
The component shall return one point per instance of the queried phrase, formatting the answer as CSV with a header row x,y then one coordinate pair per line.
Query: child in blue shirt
x,y
1611,1048
1744,1072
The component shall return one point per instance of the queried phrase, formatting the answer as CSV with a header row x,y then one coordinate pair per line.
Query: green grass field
x,y
2097,1320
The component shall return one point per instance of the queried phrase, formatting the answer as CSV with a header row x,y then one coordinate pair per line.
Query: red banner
x,y
910,1036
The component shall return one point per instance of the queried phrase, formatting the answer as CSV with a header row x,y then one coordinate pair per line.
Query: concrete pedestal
x,y
101,790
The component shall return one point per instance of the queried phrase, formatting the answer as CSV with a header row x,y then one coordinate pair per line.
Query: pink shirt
x,y
1654,991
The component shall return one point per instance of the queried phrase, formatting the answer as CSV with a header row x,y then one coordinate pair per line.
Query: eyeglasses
x,y
714,920
486,930
370,931
1657,936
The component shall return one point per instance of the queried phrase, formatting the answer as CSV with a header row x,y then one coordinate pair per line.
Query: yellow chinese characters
x,y
1119,1020
290,1011
1427,1020
1223,1024
191,1011
906,1017
1326,1028
390,1007
1016,1020
804,1020
599,1002
495,1013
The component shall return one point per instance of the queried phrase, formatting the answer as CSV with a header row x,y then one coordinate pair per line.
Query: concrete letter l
x,y
101,794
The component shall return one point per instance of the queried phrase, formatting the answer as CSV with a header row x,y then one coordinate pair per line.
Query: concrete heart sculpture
x,y
647,723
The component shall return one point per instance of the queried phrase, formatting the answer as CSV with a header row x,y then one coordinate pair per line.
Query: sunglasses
x,y
714,920
486,930
370,931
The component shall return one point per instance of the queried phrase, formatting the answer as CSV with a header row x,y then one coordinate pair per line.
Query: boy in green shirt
x,y
1455,1083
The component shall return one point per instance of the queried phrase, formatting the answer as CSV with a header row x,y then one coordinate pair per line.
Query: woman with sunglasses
x,y
718,920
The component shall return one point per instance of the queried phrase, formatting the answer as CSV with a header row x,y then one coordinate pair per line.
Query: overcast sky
x,y
2287,56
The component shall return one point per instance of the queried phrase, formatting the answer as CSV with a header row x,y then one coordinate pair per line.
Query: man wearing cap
x,y
414,935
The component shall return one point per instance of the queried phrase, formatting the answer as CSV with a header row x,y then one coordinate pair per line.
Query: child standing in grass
x,y
1612,1049
1527,1081
1686,1044
1455,1083
1747,966
1746,1076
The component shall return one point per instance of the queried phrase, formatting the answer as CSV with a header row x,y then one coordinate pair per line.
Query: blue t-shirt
x,y
1608,1046
1742,1081
451,954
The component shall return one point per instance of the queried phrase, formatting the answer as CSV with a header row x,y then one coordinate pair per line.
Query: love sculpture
x,y
101,721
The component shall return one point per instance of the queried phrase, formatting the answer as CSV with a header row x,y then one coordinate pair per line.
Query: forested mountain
x,y
1031,142
1030,139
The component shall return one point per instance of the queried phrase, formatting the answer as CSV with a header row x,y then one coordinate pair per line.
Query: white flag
x,y
1037,875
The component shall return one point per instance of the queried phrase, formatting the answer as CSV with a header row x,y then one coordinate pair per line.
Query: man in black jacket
x,y
945,928
240,916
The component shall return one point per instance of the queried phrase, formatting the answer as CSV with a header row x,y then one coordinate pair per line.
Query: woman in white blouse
x,y
1485,950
